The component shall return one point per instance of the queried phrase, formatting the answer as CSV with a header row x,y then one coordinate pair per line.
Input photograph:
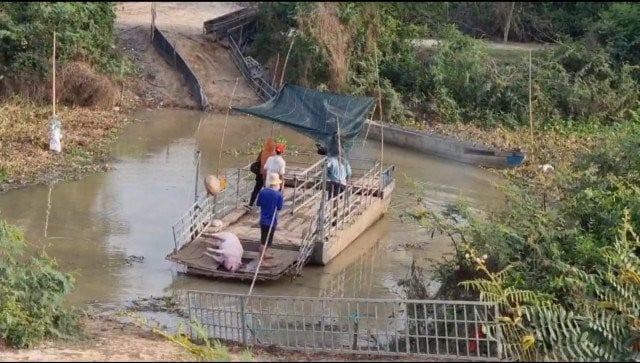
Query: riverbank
x,y
88,135
109,339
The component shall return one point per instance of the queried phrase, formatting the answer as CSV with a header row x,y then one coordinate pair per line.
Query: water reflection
x,y
94,224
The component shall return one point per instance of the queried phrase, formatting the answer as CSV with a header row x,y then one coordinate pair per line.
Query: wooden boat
x,y
445,147
311,227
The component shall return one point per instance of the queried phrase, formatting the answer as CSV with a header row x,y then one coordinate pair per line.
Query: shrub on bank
x,y
570,83
32,292
561,256
84,33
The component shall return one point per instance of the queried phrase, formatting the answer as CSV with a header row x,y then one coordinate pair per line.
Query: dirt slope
x,y
182,23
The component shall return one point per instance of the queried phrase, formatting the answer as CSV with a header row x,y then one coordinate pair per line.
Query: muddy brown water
x,y
91,226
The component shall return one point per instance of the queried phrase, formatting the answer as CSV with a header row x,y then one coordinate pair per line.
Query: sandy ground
x,y
108,339
104,340
182,23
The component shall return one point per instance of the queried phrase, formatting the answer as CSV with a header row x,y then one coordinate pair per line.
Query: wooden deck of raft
x,y
246,225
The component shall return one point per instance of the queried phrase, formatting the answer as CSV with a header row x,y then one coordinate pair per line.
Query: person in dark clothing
x,y
259,181
270,201
268,149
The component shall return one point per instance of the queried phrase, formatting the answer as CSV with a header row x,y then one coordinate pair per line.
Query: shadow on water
x,y
113,229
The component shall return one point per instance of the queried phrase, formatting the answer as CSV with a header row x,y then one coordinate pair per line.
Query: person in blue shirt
x,y
270,201
338,172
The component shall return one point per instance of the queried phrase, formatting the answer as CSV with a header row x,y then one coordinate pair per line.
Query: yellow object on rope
x,y
223,183
215,184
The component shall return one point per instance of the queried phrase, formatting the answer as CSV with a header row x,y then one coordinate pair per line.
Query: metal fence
x,y
221,25
171,55
436,328
263,88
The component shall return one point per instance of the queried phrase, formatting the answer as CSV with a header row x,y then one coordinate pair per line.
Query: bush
x,y
571,84
556,256
85,32
620,31
31,295
574,82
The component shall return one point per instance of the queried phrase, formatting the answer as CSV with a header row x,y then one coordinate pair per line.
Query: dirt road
x,y
182,24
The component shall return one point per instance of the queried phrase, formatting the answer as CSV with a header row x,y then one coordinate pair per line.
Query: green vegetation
x,y
87,62
85,31
590,75
32,294
561,256
209,351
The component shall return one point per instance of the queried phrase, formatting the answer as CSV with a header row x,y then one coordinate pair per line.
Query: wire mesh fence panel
x,y
437,328
172,56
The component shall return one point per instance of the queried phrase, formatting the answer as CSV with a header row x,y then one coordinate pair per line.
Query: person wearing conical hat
x,y
270,201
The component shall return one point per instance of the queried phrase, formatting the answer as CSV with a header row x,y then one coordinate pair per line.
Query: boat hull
x,y
327,250
445,147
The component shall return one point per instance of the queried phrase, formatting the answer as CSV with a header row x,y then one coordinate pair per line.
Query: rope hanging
x,y
225,126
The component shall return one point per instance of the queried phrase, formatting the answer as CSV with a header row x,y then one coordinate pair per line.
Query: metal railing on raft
x,y
343,209
427,328
307,185
239,184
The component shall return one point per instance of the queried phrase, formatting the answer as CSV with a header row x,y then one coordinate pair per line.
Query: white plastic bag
x,y
55,134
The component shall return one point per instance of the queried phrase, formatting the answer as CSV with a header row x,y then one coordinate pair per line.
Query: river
x,y
91,226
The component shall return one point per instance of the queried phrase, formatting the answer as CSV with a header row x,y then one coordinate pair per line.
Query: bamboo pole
x,y
273,83
380,107
53,98
264,248
275,71
373,112
531,111
225,126
286,60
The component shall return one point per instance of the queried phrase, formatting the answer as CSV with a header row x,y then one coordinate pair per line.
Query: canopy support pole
x,y
225,126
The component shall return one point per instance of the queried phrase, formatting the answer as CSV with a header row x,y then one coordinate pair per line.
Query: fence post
x,y
153,19
238,189
498,333
213,207
323,185
189,311
295,186
242,321
195,193
175,54
175,240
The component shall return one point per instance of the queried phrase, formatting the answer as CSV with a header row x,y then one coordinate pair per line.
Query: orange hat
x,y
280,148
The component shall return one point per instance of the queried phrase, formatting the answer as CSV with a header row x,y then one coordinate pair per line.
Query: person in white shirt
x,y
276,164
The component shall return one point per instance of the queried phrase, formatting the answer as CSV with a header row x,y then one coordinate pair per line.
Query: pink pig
x,y
228,252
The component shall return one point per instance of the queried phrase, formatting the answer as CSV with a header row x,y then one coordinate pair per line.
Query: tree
x,y
507,23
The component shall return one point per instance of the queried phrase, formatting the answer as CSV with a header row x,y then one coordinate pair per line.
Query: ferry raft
x,y
311,227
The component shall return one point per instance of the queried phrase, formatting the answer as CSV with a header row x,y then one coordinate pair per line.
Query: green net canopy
x,y
316,114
